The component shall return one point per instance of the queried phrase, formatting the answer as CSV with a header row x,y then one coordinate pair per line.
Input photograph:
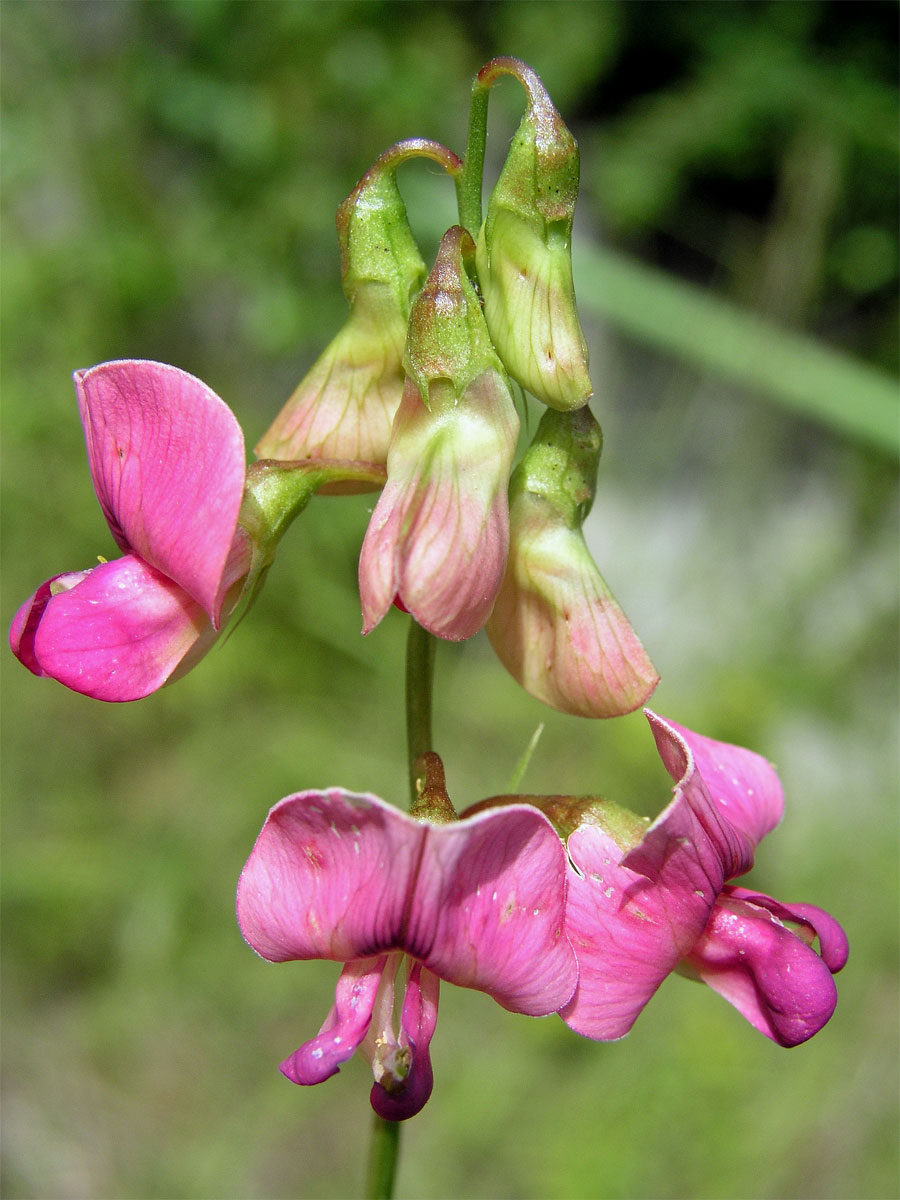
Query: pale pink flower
x,y
438,537
556,626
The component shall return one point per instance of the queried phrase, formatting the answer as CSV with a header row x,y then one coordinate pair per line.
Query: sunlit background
x,y
170,177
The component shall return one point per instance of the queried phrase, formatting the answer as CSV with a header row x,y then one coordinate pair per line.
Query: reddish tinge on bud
x,y
438,537
556,626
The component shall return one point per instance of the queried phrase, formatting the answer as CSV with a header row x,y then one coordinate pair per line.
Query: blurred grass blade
x,y
522,765
713,334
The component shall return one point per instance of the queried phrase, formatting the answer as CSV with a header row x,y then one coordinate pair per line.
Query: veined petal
x,y
344,1028
771,976
556,626
116,632
480,902
628,931
167,462
330,876
735,794
439,534
529,306
344,407
632,917
417,1023
488,910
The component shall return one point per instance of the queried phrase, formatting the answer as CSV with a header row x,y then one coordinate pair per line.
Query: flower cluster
x,y
412,396
549,904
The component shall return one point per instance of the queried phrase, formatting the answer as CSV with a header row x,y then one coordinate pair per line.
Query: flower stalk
x,y
383,1149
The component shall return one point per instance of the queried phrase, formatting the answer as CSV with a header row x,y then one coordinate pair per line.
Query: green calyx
x,y
560,466
568,813
432,804
448,339
539,181
376,242
277,492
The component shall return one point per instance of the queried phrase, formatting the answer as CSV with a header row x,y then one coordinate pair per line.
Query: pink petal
x,y
480,902
344,1028
117,632
771,976
25,625
167,461
556,626
632,917
439,534
736,794
488,910
629,931
329,877
833,942
417,1023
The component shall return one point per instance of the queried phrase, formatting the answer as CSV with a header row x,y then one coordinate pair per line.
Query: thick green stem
x,y
419,680
382,1158
468,181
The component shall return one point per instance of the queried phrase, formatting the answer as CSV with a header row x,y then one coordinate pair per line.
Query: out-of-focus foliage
x,y
170,176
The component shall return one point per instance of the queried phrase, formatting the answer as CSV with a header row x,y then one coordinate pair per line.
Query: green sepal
x,y
560,466
378,250
274,494
568,813
448,339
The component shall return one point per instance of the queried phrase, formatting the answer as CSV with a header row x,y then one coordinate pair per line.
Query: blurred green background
x,y
170,176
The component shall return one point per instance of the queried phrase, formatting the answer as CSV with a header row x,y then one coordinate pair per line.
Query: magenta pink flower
x,y
167,462
477,902
641,906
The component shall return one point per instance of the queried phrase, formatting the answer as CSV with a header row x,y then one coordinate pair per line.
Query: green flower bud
x,y
448,339
344,407
556,626
524,254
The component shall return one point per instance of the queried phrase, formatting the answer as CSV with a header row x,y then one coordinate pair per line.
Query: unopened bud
x,y
343,408
556,626
525,252
437,539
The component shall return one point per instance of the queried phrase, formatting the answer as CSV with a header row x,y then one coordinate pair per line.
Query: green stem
x,y
382,1158
419,680
468,181
384,1147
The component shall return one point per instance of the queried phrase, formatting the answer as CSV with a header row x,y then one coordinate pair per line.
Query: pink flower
x,y
641,905
167,462
477,902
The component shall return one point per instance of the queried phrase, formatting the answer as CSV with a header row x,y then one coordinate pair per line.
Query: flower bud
x,y
524,253
438,537
344,407
555,625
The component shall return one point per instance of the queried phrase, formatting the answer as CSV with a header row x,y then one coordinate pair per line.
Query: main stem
x,y
419,681
383,1150
384,1147
468,181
